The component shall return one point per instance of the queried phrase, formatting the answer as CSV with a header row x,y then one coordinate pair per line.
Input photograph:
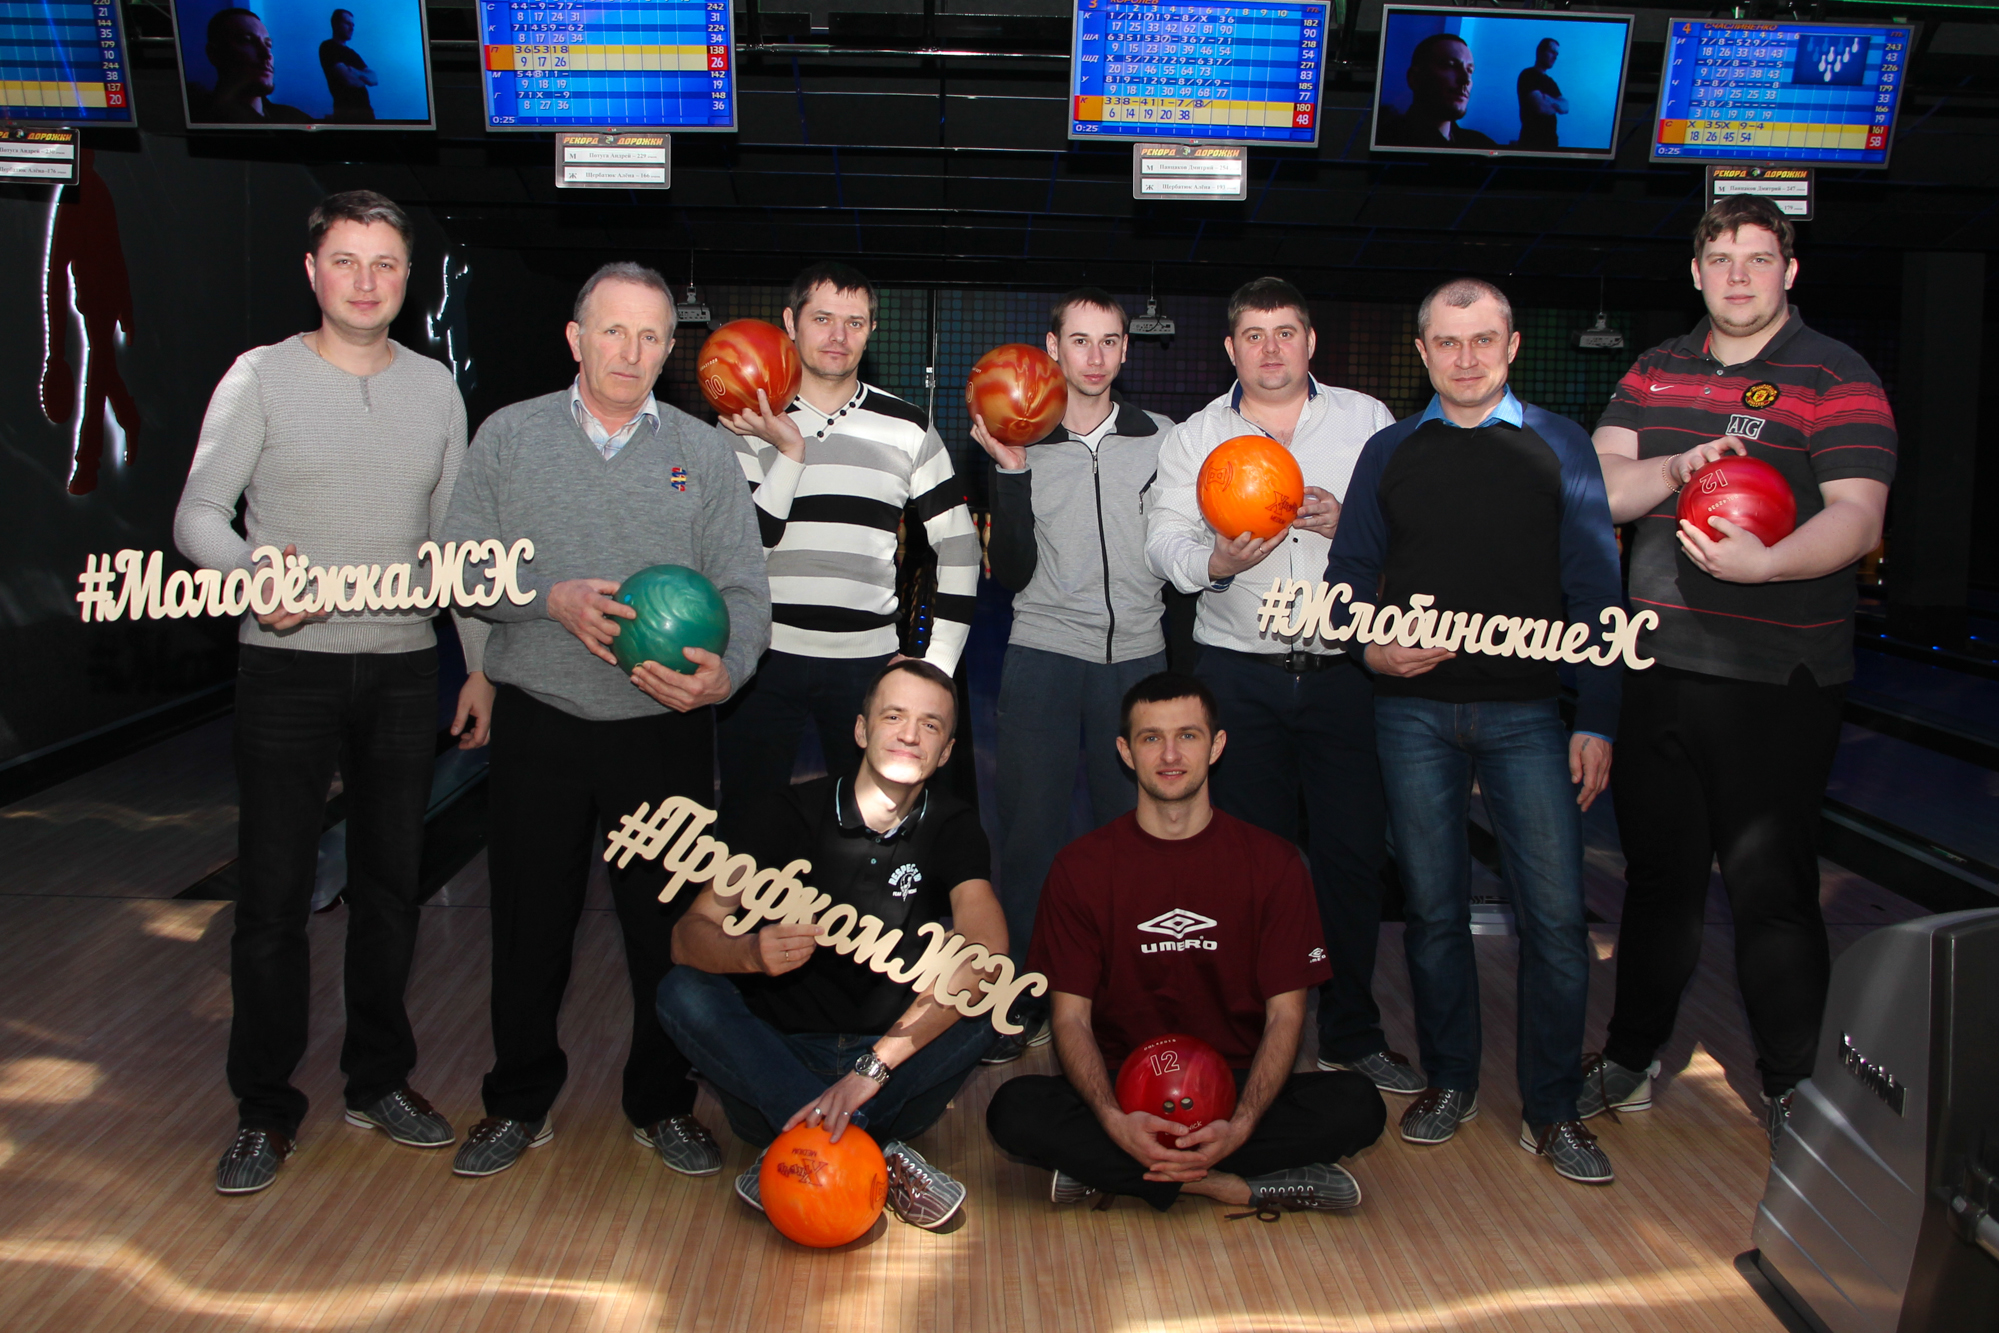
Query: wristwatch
x,y
870,1065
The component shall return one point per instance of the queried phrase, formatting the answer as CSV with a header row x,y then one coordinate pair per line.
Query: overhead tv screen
x,y
1534,83
639,64
1202,71
294,65
62,62
1784,94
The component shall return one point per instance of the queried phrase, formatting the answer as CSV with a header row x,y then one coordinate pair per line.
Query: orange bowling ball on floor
x,y
1249,484
1020,392
821,1193
743,356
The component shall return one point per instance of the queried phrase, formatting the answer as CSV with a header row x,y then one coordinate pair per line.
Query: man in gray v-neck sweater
x,y
606,481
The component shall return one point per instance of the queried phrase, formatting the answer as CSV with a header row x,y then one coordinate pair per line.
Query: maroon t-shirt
x,y
1185,936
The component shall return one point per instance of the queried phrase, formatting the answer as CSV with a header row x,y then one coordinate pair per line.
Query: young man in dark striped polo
x,y
1726,743
832,477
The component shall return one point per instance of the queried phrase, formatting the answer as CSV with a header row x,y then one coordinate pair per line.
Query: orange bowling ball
x,y
743,356
821,1193
1020,392
1249,484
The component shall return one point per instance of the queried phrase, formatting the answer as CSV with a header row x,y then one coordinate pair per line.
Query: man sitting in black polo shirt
x,y
791,1033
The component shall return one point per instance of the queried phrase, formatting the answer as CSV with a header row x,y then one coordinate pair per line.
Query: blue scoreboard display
x,y
607,64
1207,71
62,62
1803,94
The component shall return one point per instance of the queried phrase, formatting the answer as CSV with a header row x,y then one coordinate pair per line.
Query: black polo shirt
x,y
904,876
1814,410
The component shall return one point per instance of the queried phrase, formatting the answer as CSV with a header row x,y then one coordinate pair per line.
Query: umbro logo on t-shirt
x,y
1179,923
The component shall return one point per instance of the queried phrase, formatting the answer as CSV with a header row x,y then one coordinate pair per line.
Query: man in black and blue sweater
x,y
1495,508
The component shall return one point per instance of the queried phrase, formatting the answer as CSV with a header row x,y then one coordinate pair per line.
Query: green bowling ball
x,y
678,608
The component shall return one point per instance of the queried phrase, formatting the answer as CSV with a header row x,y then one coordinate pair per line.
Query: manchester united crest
x,y
1760,395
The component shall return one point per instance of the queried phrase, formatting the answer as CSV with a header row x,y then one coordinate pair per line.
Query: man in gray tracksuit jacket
x,y
1069,539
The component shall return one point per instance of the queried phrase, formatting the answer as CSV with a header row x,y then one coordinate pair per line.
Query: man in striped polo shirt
x,y
1725,745
833,477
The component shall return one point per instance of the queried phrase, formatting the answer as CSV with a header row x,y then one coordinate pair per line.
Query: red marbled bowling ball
x,y
1747,492
743,356
1020,392
1179,1078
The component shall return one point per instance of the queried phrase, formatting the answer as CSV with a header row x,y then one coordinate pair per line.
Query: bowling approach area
x,y
117,1010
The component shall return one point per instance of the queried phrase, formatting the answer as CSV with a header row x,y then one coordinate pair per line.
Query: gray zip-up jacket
x,y
1068,537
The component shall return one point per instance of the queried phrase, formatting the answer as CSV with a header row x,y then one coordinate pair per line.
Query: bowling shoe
x,y
405,1116
1436,1115
1321,1187
747,1188
1066,1189
683,1143
252,1161
1609,1086
1776,1115
1571,1148
496,1143
920,1194
1008,1049
1385,1069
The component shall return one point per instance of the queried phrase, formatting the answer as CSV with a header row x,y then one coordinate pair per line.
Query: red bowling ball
x,y
1020,392
743,356
1179,1078
1747,492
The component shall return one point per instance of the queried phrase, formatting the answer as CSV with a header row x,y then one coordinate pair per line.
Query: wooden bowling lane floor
x,y
113,1110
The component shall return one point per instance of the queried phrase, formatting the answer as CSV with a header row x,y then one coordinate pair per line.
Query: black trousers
x,y
1316,1118
557,782
1712,768
1311,735
298,716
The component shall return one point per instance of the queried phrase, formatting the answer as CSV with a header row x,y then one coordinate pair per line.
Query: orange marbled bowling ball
x,y
1020,392
743,356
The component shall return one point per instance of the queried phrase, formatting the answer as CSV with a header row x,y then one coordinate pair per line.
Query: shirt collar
x,y
648,411
1509,411
847,809
1697,342
1235,394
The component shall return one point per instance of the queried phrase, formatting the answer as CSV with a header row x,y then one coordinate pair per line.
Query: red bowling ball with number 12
x,y
1747,492
1179,1078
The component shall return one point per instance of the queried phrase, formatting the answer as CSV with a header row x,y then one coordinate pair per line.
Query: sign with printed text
x,y
1790,188
1189,171
44,157
590,161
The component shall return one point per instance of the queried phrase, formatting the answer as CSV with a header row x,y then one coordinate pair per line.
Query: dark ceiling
x,y
927,139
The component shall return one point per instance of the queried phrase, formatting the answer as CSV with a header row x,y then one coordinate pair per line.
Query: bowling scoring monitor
x,y
62,62
608,64
1205,71
1789,94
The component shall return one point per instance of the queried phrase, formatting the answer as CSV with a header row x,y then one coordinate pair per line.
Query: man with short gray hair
x,y
607,481
1494,509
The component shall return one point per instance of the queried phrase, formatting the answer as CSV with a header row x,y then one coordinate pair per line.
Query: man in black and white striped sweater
x,y
832,477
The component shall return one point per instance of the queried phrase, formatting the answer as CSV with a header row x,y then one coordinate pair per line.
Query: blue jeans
x,y
1307,741
1520,752
763,1076
758,731
1046,702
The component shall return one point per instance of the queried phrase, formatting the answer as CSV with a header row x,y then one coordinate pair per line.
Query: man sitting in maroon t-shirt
x,y
1179,918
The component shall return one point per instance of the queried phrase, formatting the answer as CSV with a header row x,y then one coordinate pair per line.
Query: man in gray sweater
x,y
344,444
606,481
1069,539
